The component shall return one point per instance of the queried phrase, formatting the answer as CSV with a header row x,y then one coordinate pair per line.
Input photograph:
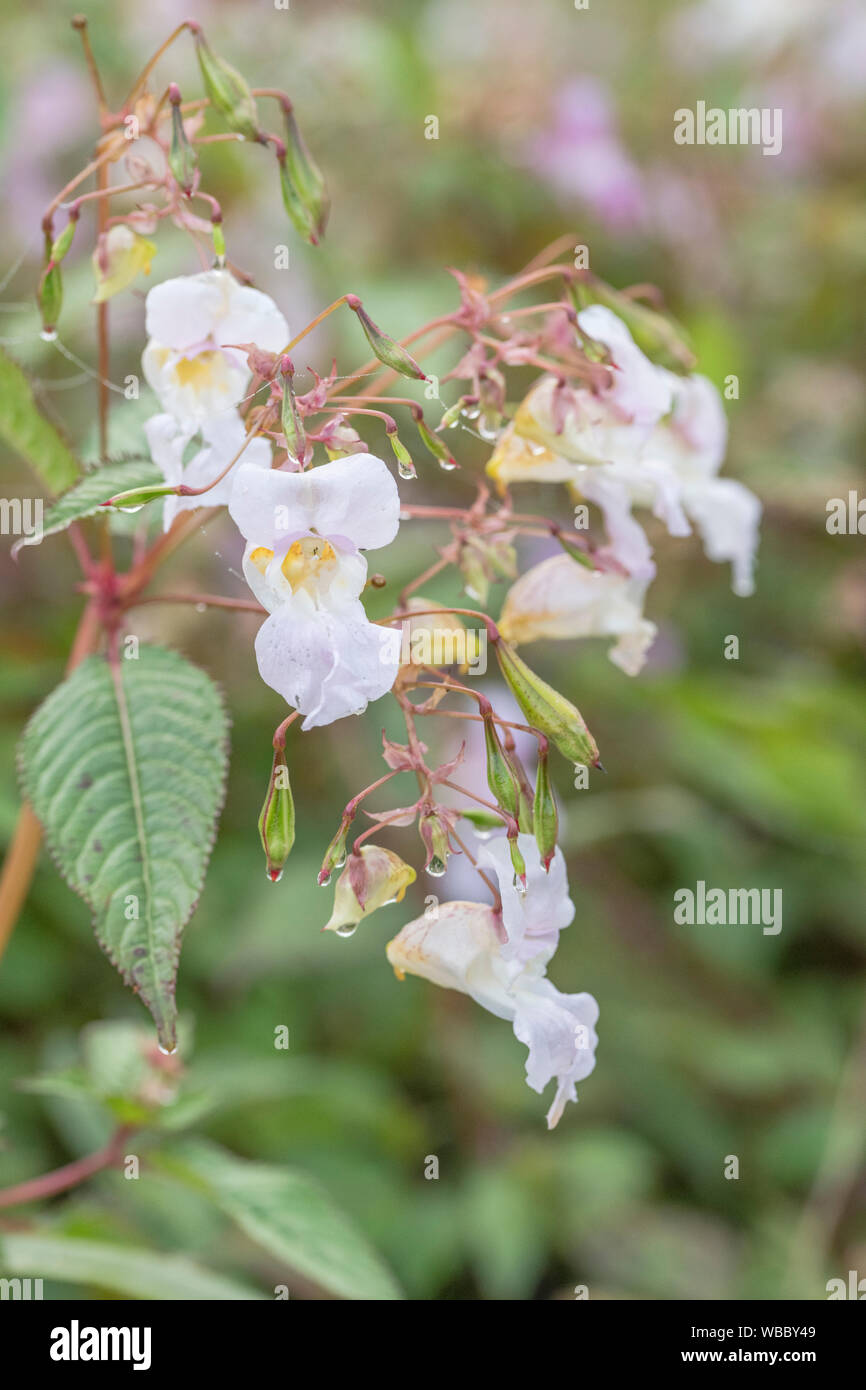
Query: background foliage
x,y
714,1042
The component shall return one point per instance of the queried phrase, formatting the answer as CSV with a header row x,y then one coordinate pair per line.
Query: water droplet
x,y
131,510
348,930
488,432
49,335
471,412
448,465
201,608
536,449
167,1051
340,860
220,263
436,867
274,875
519,884
406,470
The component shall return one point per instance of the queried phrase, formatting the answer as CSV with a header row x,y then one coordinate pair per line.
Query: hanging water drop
x,y
274,875
436,867
406,470
448,465
131,510
323,880
348,930
519,884
201,608
167,1051
49,335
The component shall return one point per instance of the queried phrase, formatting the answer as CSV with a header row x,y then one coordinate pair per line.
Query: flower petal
x,y
727,515
327,663
534,919
352,500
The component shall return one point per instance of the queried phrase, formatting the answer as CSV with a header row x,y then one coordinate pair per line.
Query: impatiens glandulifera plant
x,y
123,766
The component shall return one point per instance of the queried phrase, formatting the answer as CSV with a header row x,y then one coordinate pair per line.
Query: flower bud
x,y
385,348
571,548
434,444
120,255
49,291
277,819
433,829
545,820
182,158
405,466
137,497
518,863
228,90
300,216
335,854
372,878
291,423
305,174
64,241
546,710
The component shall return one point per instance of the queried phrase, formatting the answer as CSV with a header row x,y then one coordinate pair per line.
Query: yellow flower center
x,y
200,371
308,563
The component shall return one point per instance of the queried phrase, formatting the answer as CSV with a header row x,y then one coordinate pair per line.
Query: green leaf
x,y
121,1269
290,1215
126,772
86,497
25,429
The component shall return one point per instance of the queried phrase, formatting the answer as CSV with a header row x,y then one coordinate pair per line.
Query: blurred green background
x,y
714,1041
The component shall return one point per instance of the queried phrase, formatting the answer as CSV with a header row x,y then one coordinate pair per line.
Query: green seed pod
x,y
138,497
182,158
500,777
277,819
228,91
545,821
299,213
305,174
546,710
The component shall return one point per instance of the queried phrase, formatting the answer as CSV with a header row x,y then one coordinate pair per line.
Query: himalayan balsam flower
x,y
191,321
303,562
559,598
650,439
458,946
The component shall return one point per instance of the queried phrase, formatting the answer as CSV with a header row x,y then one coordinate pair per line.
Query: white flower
x,y
650,439
304,535
560,598
458,947
222,440
532,920
190,322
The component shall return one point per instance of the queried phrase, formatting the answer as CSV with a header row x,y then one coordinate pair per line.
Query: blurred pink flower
x,y
581,156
